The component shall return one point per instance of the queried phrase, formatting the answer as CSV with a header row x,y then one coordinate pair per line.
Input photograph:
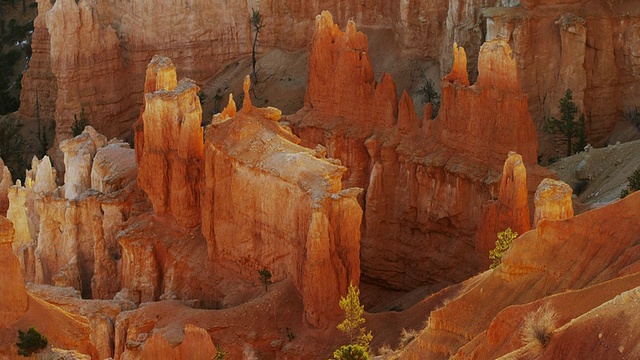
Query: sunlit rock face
x,y
14,301
553,201
584,268
426,180
270,203
66,236
78,160
171,150
114,168
89,66
509,210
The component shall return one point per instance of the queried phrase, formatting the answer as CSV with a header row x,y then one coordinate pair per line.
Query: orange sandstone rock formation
x,y
553,201
593,254
258,182
509,210
171,150
89,67
14,302
426,180
21,310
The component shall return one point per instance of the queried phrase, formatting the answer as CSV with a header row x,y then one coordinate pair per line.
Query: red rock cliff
x,y
426,180
574,265
271,203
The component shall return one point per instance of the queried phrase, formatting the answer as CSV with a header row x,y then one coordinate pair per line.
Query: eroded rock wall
x,y
273,204
170,152
426,180
581,45
591,257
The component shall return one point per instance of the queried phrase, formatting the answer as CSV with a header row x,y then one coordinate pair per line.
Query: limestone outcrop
x,y
553,201
426,180
19,216
170,152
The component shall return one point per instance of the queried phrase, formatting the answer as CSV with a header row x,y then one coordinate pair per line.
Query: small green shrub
x,y
30,342
265,278
351,352
633,116
430,95
503,244
79,124
220,354
634,184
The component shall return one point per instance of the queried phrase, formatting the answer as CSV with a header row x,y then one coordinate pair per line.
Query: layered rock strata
x,y
75,226
572,43
14,303
592,257
509,210
426,180
169,147
258,183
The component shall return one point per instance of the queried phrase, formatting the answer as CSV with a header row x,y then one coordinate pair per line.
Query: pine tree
x,y
567,124
353,324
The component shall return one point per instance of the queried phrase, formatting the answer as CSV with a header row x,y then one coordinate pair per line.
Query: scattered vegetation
x,y
265,278
257,24
13,146
406,337
290,335
430,95
633,116
634,184
220,354
30,342
351,352
580,187
202,96
353,324
385,350
568,126
505,238
79,124
539,326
